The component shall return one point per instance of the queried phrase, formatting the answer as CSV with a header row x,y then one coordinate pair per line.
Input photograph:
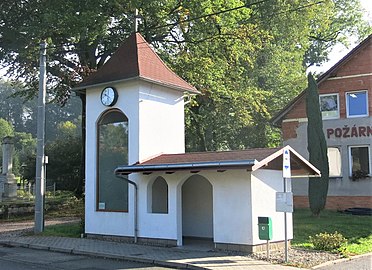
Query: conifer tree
x,y
317,147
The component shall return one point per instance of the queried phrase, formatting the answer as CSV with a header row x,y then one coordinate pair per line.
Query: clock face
x,y
109,96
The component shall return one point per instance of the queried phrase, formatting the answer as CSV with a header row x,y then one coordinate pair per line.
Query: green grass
x,y
356,229
65,230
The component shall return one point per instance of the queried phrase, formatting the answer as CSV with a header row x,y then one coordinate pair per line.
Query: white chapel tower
x,y
134,111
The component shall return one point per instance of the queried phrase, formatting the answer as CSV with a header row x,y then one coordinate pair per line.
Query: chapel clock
x,y
109,96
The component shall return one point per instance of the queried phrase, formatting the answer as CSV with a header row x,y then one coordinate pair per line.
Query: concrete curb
x,y
177,265
341,260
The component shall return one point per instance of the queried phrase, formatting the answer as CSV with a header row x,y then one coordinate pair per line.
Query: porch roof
x,y
250,160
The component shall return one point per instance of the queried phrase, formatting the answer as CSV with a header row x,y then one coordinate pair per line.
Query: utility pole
x,y
136,18
40,156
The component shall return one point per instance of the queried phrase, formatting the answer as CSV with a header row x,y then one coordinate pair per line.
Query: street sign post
x,y
286,174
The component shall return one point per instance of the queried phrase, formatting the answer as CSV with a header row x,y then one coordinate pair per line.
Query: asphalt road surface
x,y
14,258
361,263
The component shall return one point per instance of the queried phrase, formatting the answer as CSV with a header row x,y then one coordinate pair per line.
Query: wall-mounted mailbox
x,y
265,228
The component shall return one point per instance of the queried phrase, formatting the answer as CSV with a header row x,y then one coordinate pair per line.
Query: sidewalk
x,y
168,257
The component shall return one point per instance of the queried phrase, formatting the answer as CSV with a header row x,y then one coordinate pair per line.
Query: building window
x,y
357,104
360,161
329,106
334,161
159,196
112,192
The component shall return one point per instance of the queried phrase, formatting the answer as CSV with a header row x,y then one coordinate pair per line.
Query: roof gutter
x,y
101,84
125,170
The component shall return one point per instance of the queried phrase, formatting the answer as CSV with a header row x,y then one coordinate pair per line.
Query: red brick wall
x,y
298,111
289,130
360,63
341,86
336,202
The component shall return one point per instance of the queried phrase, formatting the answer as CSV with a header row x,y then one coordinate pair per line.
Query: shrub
x,y
328,241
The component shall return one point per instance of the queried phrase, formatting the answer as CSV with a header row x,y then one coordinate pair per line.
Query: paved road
x,y
360,263
24,258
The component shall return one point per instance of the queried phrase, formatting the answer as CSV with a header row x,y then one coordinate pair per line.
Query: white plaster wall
x,y
231,205
162,226
161,121
337,187
156,124
265,184
235,208
111,223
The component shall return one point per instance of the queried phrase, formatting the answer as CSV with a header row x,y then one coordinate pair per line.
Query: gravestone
x,y
8,183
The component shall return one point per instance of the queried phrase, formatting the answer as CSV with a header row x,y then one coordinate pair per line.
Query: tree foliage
x,y
6,129
22,113
317,147
24,147
24,153
65,149
248,58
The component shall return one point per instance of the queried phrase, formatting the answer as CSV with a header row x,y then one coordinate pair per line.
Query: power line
x,y
200,17
209,15
297,8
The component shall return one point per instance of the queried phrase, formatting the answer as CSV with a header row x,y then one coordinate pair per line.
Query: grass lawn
x,y
356,229
65,230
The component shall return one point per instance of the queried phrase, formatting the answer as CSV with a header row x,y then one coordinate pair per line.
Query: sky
x,y
339,51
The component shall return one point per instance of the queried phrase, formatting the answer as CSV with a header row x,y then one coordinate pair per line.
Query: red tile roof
x,y
135,59
249,154
251,160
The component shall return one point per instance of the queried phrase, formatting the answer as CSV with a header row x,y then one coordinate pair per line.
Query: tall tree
x,y
22,114
25,152
65,150
317,147
242,55
6,129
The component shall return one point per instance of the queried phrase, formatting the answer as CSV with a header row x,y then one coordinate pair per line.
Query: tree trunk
x,y
80,185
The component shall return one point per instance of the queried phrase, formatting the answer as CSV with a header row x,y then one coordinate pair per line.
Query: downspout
x,y
135,205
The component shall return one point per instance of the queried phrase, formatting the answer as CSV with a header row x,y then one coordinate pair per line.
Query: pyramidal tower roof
x,y
135,59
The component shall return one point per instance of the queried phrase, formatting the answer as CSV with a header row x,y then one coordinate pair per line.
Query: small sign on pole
x,y
284,202
286,164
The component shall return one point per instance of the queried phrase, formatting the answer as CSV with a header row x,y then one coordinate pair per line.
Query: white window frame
x,y
338,106
351,158
347,104
339,161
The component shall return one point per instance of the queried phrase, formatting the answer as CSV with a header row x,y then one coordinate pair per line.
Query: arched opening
x,y
197,209
112,141
159,196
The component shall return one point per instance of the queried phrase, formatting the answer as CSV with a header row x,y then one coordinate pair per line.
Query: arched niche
x,y
158,196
